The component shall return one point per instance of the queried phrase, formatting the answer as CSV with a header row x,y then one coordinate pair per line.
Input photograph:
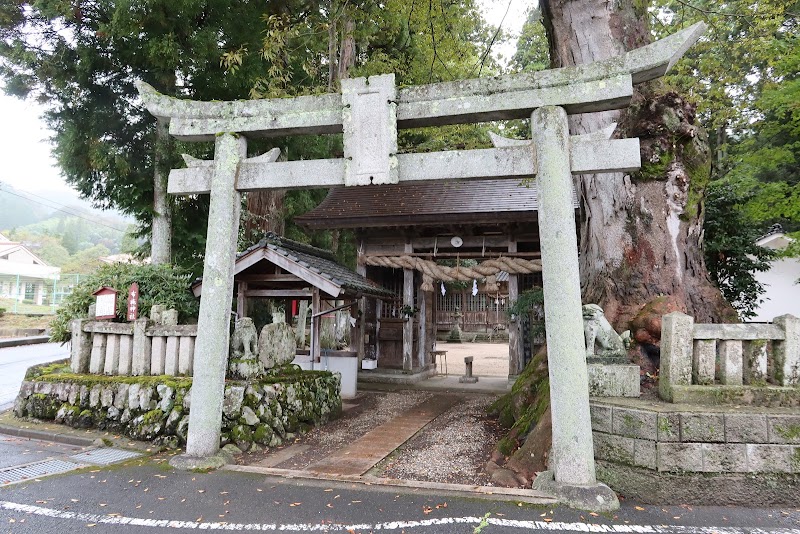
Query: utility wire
x,y
491,43
72,211
72,214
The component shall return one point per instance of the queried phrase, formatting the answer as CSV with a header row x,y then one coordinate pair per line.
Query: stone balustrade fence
x,y
721,363
133,349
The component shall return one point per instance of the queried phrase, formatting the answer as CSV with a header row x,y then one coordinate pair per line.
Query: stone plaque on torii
x,y
369,111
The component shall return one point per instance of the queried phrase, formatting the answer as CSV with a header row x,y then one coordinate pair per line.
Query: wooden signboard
x,y
105,303
133,302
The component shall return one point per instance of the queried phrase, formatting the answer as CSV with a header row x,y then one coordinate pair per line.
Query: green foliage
x,y
86,261
158,284
726,71
82,59
2,311
732,256
532,49
529,301
62,240
766,161
529,306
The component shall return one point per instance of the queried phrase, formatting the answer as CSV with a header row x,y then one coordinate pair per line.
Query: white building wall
x,y
782,294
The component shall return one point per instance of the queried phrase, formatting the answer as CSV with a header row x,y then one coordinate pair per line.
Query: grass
x,y
14,307
12,320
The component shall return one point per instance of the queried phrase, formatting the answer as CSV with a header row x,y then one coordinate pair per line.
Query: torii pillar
x,y
572,475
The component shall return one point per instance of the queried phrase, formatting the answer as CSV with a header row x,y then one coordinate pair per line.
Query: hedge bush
x,y
158,284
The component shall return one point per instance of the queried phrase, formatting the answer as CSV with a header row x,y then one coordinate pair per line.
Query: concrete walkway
x,y
365,452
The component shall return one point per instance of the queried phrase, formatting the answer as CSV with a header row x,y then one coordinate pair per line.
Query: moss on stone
x,y
522,408
655,169
789,432
53,368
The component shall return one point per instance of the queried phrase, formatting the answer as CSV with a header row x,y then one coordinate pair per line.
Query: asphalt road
x,y
148,496
14,361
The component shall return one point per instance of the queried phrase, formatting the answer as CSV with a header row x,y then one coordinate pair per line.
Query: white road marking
x,y
388,526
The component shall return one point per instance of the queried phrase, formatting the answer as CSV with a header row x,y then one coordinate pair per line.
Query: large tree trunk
x,y
641,234
264,213
161,230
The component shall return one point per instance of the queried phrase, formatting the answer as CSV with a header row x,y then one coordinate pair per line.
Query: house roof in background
x,y
774,239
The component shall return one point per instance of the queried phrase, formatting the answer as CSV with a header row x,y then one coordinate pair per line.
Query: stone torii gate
x,y
369,112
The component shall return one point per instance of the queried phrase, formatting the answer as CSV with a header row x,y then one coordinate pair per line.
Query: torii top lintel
x,y
369,112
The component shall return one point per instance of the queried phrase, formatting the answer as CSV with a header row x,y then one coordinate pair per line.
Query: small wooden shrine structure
x,y
449,220
282,269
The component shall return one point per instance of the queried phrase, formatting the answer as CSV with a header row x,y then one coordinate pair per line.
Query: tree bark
x,y
333,46
347,49
161,231
264,213
640,234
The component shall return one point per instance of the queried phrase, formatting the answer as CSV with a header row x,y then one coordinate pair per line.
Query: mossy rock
x,y
263,434
242,436
85,419
523,407
41,406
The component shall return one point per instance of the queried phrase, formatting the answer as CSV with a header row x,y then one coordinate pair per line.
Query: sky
x,y
25,150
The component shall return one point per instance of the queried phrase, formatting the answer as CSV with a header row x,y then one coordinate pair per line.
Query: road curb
x,y
463,490
21,341
66,439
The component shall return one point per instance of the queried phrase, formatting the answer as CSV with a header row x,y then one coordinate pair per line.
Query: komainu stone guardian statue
x,y
243,362
277,345
603,344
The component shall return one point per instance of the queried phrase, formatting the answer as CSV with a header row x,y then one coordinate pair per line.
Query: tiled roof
x,y
416,203
321,262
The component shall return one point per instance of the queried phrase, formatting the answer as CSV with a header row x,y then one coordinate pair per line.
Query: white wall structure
x,y
23,273
782,293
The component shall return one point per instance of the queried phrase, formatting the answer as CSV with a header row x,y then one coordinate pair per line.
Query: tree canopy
x,y
81,58
743,76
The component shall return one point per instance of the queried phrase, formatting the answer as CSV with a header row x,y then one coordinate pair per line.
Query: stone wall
x,y
730,363
643,446
156,408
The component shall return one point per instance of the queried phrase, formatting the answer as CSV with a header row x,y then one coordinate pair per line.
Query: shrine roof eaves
x,y
310,260
426,203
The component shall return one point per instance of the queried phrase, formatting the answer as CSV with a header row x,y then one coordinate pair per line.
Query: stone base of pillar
x,y
594,498
184,462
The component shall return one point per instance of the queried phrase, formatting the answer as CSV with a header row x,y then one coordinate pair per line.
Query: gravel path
x,y
453,448
372,410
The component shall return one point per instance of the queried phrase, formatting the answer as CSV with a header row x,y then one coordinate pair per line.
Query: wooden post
x,y
378,315
514,331
241,300
422,348
361,322
316,323
408,324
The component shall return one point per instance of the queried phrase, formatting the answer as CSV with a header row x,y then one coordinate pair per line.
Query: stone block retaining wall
x,y
157,408
641,448
701,442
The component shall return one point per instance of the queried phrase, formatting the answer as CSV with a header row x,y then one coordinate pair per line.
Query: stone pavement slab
x,y
362,454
